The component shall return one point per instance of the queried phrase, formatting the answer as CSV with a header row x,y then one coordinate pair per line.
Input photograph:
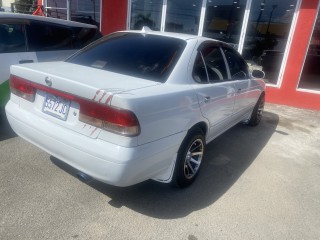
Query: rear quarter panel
x,y
162,110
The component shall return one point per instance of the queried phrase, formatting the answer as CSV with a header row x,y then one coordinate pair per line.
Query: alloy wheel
x,y
193,158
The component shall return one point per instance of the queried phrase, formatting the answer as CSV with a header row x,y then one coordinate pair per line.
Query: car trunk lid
x,y
83,81
60,82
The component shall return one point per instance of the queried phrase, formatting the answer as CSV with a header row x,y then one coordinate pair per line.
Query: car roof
x,y
166,34
182,36
20,16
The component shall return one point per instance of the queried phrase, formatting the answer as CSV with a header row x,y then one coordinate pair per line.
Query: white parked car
x,y
135,105
27,38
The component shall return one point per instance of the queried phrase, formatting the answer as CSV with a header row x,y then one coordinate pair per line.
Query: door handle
x,y
25,61
206,99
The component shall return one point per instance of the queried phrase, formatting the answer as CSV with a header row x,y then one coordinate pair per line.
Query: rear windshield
x,y
140,55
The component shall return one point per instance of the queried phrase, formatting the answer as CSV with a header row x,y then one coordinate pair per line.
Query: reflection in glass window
x,y
223,20
146,13
267,34
199,72
86,11
57,9
49,37
209,65
12,38
183,16
310,77
144,56
215,64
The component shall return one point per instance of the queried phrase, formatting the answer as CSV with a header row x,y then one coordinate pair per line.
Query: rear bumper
x,y
104,161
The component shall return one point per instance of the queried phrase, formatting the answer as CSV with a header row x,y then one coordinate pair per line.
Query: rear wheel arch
x,y
257,112
189,156
200,125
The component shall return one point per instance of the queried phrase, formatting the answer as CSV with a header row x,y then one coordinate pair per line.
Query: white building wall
x,y
6,3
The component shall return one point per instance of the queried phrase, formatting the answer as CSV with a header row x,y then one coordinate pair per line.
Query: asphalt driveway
x,y
256,183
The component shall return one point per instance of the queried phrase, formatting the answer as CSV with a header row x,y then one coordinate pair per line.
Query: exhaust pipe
x,y
84,177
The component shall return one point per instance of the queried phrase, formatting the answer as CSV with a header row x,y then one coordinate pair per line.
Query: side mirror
x,y
258,73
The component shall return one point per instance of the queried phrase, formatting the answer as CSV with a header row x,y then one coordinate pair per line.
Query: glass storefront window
x,y
267,35
146,13
223,20
85,11
183,16
57,9
310,76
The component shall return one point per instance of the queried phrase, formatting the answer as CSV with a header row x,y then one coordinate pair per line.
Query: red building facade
x,y
280,37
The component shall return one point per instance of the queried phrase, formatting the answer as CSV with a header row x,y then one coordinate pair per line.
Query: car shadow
x,y
6,131
227,157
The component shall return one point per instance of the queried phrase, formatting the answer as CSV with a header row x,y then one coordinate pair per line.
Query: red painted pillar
x,y
114,15
287,93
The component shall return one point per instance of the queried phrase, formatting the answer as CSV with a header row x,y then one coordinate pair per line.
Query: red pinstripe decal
x,y
97,93
108,99
104,93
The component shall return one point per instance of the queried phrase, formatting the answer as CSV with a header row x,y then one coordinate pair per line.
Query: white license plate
x,y
56,106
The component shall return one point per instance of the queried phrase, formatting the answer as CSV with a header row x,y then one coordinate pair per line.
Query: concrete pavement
x,y
256,183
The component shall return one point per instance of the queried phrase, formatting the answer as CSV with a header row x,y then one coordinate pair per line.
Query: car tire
x,y
257,112
189,159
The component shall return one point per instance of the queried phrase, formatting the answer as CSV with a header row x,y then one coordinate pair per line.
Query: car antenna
x,y
145,29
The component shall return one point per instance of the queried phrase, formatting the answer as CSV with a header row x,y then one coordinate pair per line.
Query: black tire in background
x,y
257,112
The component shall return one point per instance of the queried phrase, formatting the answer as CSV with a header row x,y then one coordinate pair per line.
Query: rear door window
x,y
209,65
49,37
12,38
199,72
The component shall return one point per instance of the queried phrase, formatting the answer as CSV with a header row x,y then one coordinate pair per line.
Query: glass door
x,y
183,16
85,11
146,13
223,20
310,76
56,8
267,36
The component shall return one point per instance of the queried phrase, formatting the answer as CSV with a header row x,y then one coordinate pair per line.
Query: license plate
x,y
56,106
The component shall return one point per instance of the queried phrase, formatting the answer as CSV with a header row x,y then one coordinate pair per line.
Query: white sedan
x,y
135,105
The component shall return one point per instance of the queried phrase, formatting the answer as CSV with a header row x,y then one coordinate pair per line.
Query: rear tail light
x,y
22,88
119,121
115,120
